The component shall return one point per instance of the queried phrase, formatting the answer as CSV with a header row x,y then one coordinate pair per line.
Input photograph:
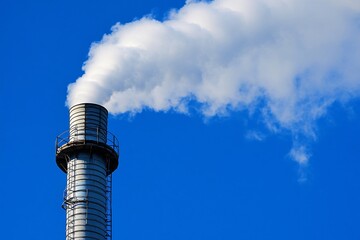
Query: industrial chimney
x,y
88,154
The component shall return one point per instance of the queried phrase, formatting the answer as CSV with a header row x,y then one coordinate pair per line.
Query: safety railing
x,y
87,134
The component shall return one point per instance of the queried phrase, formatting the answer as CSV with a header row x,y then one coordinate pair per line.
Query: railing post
x,y
56,144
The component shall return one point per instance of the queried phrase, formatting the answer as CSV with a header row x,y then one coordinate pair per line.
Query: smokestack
x,y
88,154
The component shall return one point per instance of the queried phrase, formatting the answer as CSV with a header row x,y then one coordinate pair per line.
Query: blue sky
x,y
181,176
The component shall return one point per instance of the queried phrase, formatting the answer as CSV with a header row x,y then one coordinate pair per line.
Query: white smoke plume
x,y
287,59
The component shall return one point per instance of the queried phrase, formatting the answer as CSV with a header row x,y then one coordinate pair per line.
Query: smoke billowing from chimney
x,y
287,59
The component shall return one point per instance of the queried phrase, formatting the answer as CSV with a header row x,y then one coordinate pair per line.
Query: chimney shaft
x,y
88,153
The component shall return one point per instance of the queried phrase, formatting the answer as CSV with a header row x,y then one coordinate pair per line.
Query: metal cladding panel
x,y
86,197
88,122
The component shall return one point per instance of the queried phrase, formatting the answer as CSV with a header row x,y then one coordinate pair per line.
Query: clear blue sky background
x,y
179,177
